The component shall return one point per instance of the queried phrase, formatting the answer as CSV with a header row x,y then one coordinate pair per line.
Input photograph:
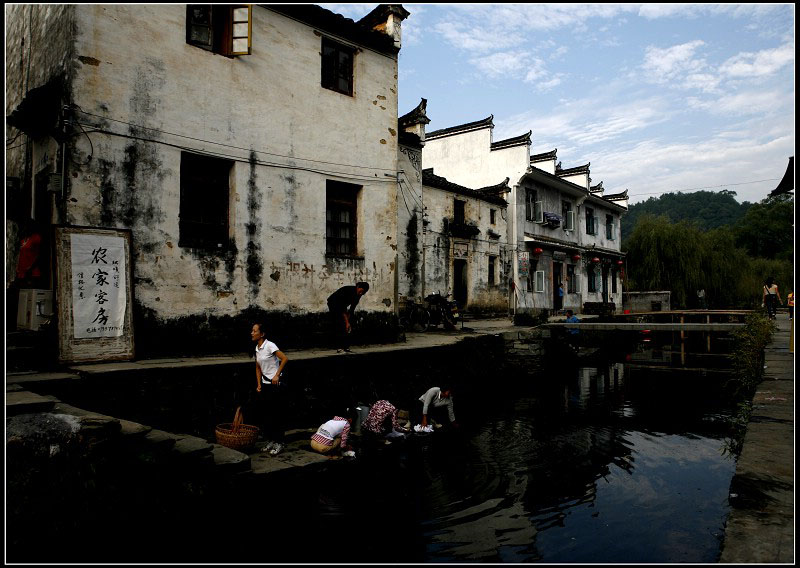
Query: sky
x,y
657,97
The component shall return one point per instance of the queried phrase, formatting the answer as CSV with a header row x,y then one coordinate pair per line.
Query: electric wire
x,y
228,145
360,177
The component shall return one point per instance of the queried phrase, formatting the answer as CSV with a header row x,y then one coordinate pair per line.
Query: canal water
x,y
593,461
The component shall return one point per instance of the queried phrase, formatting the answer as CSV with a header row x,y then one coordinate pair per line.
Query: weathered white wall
x,y
467,159
410,225
578,179
39,47
548,166
439,249
268,112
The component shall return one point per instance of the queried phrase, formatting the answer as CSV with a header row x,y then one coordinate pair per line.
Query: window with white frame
x,y
569,216
225,29
538,281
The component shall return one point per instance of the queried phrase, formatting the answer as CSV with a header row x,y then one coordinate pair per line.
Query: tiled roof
x,y
497,189
510,142
545,156
572,171
485,194
334,23
617,196
598,187
416,116
478,124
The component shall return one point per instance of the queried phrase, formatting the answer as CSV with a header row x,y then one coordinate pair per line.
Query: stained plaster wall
x,y
39,47
467,159
440,244
268,113
410,223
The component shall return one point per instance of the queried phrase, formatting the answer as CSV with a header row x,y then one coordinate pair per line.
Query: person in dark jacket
x,y
342,305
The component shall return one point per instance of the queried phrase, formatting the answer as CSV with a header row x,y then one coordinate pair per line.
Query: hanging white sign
x,y
98,285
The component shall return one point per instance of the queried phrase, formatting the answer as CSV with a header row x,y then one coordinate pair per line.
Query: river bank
x,y
760,528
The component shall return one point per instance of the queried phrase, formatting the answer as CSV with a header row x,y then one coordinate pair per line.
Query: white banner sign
x,y
98,285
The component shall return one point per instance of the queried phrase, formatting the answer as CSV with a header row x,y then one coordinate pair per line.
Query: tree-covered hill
x,y
704,209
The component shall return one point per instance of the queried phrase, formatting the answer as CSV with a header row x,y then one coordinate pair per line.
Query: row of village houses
x,y
258,158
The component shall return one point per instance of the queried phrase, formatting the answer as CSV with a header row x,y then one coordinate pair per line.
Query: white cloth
x,y
331,429
267,361
420,428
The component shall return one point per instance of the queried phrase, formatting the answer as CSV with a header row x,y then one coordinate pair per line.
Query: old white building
x,y
456,238
251,150
563,229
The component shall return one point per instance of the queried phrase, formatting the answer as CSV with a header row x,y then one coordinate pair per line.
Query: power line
x,y
360,177
228,145
705,187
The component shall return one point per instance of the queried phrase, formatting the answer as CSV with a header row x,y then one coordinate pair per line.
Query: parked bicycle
x,y
442,311
415,317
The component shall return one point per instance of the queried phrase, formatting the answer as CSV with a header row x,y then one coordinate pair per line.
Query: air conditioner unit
x,y
35,308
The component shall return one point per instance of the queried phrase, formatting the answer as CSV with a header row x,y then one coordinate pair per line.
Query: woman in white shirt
x,y
771,297
270,362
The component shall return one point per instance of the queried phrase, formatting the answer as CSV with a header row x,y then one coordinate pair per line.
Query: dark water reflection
x,y
599,464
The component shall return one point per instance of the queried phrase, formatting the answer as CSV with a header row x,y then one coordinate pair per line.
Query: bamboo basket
x,y
236,435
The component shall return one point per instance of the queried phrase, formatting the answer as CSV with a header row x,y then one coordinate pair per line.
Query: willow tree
x,y
666,256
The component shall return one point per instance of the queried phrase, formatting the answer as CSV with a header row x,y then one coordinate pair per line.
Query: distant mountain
x,y
706,209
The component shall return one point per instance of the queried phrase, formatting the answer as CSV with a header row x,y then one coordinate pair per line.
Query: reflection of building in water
x,y
527,472
594,385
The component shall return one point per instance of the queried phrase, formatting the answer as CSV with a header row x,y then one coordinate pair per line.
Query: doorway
x,y
460,282
558,288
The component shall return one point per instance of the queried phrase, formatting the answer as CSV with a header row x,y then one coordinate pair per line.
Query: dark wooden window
x,y
492,216
205,199
591,222
492,270
592,273
530,204
458,211
569,218
341,222
610,227
222,29
337,67
571,288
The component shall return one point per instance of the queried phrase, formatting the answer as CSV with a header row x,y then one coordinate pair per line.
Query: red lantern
x,y
595,259
537,251
576,257
620,263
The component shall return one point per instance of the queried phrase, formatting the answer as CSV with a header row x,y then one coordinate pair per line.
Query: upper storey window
x,y
222,29
337,66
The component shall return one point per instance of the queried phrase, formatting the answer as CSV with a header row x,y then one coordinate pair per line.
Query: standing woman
x,y
771,297
270,362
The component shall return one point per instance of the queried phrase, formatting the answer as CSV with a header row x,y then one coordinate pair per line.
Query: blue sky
x,y
658,97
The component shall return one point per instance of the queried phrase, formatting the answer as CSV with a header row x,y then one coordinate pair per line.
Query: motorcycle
x,y
442,311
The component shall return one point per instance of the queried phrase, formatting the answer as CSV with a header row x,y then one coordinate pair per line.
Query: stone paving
x,y
760,528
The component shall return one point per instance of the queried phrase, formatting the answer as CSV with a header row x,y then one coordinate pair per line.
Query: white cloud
x,y
500,64
745,103
761,63
665,65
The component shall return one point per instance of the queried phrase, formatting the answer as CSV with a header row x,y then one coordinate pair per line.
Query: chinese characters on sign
x,y
98,285
524,264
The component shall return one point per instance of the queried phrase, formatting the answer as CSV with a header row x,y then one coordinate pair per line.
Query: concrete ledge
x,y
24,402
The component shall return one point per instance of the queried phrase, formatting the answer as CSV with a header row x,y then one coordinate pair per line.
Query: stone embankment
x,y
760,528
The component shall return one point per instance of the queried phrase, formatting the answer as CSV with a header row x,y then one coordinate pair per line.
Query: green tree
x,y
767,229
